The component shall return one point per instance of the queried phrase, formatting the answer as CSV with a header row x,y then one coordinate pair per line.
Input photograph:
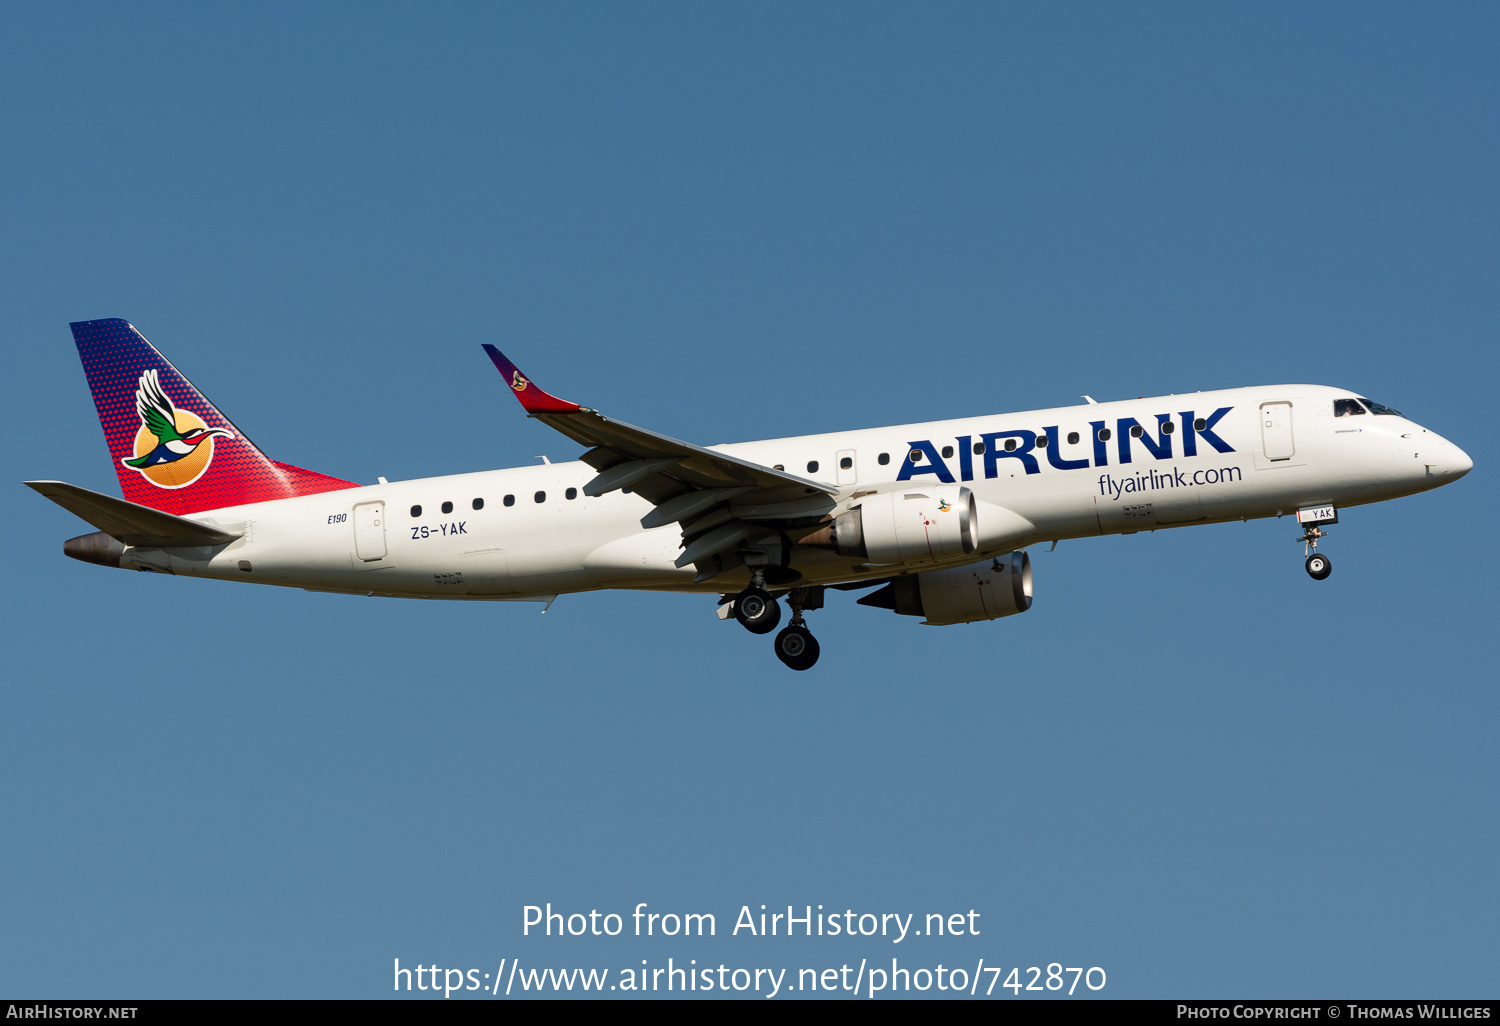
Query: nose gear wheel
x,y
1318,565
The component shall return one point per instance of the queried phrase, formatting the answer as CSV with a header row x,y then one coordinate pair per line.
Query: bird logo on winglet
x,y
173,447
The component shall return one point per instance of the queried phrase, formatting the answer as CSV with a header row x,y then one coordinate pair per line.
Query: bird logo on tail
x,y
173,446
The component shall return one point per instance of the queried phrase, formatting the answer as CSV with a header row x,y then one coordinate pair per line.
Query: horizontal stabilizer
x,y
130,522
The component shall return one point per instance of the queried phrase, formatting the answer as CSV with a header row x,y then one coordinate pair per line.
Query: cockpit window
x,y
1384,411
1347,408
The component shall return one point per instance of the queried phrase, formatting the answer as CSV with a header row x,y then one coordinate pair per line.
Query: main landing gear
x,y
756,610
1318,565
759,613
796,646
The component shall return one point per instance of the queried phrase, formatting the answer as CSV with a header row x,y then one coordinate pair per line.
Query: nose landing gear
x,y
1312,519
1318,565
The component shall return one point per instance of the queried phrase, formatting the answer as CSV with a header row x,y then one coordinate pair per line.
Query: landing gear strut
x,y
795,645
1318,565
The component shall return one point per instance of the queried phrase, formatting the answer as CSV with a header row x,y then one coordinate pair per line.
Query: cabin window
x,y
1010,445
1135,431
1347,408
1041,440
625,491
1198,425
1072,437
1167,427
416,511
571,493
779,466
883,458
915,455
947,452
509,500
447,507
540,496
978,448
846,463
478,504
1384,411
812,466
1104,433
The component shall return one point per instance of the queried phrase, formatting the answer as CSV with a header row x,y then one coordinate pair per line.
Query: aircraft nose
x,y
1462,464
1451,462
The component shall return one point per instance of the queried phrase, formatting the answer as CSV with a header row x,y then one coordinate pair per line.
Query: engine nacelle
x,y
918,525
962,594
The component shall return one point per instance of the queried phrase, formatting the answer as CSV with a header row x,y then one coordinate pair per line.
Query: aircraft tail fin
x,y
172,448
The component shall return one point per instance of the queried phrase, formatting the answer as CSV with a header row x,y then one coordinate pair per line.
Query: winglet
x,y
530,394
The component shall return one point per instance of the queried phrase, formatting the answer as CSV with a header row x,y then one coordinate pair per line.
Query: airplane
x,y
931,520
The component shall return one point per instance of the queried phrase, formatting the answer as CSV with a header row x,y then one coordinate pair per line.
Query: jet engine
x,y
918,525
961,594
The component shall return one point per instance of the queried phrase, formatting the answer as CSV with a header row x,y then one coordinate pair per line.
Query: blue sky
x,y
1187,764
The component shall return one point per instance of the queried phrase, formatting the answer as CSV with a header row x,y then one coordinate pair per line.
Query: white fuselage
x,y
1286,450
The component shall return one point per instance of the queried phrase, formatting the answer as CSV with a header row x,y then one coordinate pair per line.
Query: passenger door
x,y
1276,430
369,531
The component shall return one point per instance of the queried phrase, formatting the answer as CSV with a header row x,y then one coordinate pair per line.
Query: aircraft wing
x,y
720,500
130,522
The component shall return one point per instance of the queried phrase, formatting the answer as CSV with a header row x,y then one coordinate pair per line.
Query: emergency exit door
x,y
1276,431
369,531
848,471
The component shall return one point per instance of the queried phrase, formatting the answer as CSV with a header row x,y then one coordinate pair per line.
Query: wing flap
x,y
623,475
131,523
688,505
716,540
